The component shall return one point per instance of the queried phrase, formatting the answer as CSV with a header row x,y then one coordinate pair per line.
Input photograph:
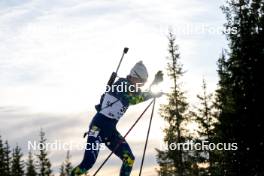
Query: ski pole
x,y
146,142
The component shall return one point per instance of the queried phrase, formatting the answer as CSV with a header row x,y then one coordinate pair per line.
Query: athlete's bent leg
x,y
123,151
91,152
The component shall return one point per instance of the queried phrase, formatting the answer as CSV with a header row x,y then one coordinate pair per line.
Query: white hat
x,y
139,71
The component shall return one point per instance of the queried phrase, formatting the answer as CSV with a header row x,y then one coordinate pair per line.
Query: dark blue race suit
x,y
102,128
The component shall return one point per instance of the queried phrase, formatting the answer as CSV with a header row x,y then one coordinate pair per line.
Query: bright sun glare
x,y
155,89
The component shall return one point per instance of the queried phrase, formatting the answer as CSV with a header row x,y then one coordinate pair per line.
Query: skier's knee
x,y
128,159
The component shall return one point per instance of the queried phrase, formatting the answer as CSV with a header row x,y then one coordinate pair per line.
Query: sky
x,y
57,56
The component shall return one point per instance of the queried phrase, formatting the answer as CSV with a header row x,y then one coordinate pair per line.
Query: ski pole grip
x,y
125,50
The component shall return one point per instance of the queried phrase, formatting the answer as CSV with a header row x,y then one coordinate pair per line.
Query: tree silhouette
x,y
17,163
44,165
7,159
206,116
174,162
30,169
241,86
66,166
2,169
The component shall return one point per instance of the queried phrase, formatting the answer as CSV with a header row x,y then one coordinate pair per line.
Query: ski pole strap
x,y
134,124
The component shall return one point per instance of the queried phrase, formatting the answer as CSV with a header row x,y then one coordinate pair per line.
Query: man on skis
x,y
112,107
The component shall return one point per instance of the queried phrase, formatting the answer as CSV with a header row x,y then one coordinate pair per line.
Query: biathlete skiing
x,y
113,105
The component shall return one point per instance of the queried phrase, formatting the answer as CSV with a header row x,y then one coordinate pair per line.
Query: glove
x,y
158,78
157,95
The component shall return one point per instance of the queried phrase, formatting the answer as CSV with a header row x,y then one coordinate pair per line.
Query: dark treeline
x,y
233,114
12,162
